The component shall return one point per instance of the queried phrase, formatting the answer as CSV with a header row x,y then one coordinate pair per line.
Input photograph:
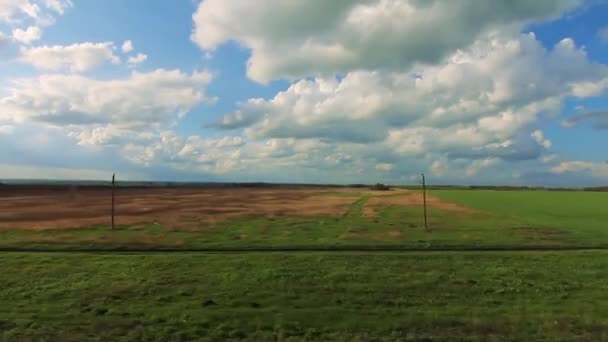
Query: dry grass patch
x,y
412,199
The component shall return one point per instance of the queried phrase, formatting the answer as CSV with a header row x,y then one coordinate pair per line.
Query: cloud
x,y
594,169
135,60
9,9
244,158
303,160
28,35
385,167
477,165
518,148
41,12
549,158
439,168
590,88
6,129
127,46
58,6
26,17
598,119
9,47
472,115
539,136
77,103
481,102
193,153
298,39
106,135
76,57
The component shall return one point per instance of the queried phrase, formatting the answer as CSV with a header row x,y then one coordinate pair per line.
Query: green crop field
x,y
540,217
581,212
75,295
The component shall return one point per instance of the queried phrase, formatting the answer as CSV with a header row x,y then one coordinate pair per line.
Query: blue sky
x,y
508,92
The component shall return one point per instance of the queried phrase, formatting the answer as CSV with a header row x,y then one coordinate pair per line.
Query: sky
x,y
509,92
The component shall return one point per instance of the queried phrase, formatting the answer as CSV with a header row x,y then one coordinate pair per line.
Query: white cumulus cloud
x,y
137,59
137,102
28,35
595,169
76,57
293,39
127,46
481,102
58,6
40,12
539,136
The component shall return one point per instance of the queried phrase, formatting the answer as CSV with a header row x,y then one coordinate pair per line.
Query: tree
x,y
380,187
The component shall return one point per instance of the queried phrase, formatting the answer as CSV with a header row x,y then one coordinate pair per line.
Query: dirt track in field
x,y
179,208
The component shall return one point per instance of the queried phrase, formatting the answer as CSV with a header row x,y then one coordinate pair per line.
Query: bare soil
x,y
411,199
181,208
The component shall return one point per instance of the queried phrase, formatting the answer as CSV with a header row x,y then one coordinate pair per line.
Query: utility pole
x,y
113,193
424,201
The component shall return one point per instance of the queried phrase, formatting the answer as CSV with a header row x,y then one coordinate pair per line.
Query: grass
x,y
502,219
568,216
183,296
323,296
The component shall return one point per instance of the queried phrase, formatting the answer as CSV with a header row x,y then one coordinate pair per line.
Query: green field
x,y
581,217
304,296
415,295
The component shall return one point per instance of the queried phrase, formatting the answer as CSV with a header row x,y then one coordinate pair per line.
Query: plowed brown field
x,y
47,208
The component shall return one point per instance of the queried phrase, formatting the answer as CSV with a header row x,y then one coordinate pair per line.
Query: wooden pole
x,y
424,201
113,194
